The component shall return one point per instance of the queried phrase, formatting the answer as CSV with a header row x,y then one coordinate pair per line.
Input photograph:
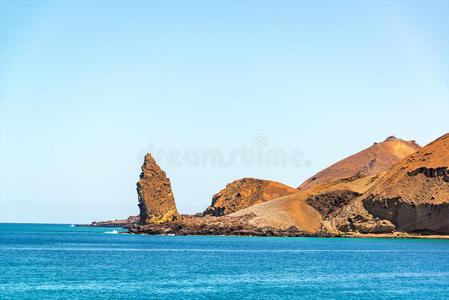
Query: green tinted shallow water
x,y
58,261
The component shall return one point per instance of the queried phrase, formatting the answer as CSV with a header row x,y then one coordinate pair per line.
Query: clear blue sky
x,y
86,87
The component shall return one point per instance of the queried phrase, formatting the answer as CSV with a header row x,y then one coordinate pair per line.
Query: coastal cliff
x,y
414,194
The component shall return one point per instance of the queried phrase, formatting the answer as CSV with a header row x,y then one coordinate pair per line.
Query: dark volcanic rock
x,y
329,201
156,201
425,218
132,220
236,226
366,224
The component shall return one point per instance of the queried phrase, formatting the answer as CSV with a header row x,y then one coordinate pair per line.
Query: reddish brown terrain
x,y
244,193
310,210
156,201
414,194
378,197
371,161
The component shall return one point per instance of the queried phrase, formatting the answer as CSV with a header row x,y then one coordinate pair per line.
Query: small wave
x,y
112,232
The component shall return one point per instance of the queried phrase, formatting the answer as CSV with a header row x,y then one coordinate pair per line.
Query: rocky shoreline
x,y
220,226
125,223
249,231
239,226
196,225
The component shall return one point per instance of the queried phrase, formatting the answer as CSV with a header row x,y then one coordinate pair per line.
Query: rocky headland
x,y
392,189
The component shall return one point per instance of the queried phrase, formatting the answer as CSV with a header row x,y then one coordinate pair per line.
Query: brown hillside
x,y
309,210
371,161
246,192
283,212
414,194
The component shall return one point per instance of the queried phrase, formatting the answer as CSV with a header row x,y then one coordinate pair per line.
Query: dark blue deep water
x,y
59,261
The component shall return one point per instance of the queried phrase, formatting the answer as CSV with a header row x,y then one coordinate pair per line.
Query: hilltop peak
x,y
370,161
392,138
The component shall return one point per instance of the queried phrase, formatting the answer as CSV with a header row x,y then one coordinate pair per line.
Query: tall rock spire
x,y
156,201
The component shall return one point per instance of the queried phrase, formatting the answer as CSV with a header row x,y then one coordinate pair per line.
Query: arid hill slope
x,y
371,161
308,210
283,212
414,194
244,193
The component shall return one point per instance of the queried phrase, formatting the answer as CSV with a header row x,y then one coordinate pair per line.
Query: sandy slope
x,y
284,212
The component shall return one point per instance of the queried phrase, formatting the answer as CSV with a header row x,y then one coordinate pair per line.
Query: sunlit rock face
x,y
371,161
156,201
244,193
414,194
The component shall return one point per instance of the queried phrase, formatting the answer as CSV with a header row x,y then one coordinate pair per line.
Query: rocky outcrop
x,y
225,225
371,161
156,201
410,199
425,218
367,226
341,212
353,218
329,201
413,195
130,221
442,172
244,193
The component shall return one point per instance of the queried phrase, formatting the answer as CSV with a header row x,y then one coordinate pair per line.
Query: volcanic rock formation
x,y
130,221
365,194
310,211
371,161
414,194
156,201
246,192
224,225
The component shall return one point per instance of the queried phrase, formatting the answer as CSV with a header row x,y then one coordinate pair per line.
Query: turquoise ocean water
x,y
58,261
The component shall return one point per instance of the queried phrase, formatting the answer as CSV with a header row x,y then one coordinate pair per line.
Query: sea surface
x,y
40,261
